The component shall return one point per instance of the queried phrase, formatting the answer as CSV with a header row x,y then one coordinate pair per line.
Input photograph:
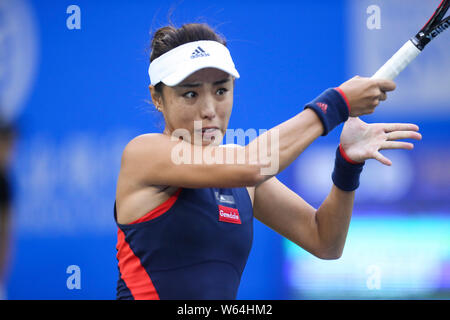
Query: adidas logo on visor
x,y
199,52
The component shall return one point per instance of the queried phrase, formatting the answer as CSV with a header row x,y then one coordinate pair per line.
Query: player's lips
x,y
209,129
208,132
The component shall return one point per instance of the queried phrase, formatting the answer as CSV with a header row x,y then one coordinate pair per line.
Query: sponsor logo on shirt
x,y
227,214
225,198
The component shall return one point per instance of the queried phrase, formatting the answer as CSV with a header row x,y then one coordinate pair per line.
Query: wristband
x,y
346,174
332,109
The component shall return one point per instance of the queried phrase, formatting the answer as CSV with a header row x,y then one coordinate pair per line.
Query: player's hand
x,y
362,141
365,94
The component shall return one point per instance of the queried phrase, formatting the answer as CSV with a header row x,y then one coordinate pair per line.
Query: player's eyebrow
x,y
198,84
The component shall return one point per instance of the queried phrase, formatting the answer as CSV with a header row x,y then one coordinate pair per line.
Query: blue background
x,y
91,88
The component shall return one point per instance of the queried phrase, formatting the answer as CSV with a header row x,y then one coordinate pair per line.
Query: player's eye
x,y
221,91
190,94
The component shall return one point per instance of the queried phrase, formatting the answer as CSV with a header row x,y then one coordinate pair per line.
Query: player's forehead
x,y
206,75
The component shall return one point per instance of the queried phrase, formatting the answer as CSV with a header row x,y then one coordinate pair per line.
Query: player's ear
x,y
157,97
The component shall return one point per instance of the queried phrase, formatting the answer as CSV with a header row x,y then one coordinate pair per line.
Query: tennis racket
x,y
411,49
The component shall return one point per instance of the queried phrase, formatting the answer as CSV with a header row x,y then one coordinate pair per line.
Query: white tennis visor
x,y
174,66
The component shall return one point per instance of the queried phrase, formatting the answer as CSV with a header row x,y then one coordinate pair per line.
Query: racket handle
x,y
392,68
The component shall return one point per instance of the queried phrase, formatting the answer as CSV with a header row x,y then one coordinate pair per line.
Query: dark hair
x,y
169,37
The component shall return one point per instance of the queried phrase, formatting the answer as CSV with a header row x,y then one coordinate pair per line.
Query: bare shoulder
x,y
144,141
139,155
133,198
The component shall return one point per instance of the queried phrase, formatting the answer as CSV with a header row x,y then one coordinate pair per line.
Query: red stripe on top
x,y
432,15
133,273
346,157
345,98
159,210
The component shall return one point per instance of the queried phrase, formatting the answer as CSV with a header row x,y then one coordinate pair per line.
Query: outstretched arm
x,y
153,159
323,232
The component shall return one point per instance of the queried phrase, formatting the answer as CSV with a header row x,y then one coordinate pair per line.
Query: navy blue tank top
x,y
193,246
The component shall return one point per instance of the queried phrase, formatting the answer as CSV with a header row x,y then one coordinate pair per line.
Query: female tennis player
x,y
185,228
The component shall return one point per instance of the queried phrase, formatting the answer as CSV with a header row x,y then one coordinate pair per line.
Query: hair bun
x,y
169,37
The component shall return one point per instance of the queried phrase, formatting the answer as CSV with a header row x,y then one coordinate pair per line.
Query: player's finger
x,y
389,127
396,145
378,156
397,135
386,85
383,96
